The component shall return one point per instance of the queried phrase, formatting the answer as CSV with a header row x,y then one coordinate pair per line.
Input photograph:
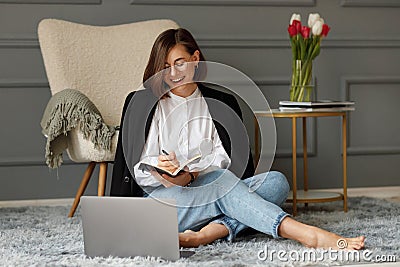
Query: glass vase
x,y
302,85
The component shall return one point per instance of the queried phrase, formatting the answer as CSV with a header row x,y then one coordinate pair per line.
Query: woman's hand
x,y
168,162
182,179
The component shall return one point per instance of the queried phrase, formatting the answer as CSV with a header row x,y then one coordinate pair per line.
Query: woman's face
x,y
180,67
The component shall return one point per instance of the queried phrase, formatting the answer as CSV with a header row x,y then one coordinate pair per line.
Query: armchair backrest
x,y
103,62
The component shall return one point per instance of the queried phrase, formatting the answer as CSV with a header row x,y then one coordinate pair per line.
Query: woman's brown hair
x,y
161,47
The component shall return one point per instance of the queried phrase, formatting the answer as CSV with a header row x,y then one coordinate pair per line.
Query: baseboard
x,y
37,202
378,192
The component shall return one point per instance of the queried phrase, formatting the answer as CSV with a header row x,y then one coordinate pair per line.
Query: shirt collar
x,y
195,94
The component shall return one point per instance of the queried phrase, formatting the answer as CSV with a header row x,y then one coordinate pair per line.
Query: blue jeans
x,y
220,197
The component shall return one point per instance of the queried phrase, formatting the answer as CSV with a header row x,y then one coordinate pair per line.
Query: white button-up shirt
x,y
183,125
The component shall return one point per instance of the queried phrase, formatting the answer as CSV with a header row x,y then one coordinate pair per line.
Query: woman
x,y
173,132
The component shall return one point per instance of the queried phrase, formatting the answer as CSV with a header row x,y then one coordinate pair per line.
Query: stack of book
x,y
320,105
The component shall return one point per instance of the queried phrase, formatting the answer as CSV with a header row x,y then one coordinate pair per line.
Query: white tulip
x,y
295,17
312,18
317,27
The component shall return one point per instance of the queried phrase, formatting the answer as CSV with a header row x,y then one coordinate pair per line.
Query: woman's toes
x,y
354,243
360,241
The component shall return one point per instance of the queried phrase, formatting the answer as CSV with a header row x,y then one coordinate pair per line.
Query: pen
x,y
165,152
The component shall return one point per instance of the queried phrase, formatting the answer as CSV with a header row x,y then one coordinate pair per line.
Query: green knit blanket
x,y
66,110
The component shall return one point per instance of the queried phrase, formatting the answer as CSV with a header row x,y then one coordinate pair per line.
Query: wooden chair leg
x,y
82,187
102,179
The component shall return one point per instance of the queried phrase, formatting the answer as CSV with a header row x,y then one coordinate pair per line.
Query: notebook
x,y
147,166
316,104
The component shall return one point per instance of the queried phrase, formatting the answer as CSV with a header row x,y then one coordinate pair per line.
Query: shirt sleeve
x,y
150,154
216,159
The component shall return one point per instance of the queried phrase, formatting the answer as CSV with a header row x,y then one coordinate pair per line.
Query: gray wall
x,y
360,61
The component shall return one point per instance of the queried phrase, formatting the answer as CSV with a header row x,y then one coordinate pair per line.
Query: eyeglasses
x,y
179,66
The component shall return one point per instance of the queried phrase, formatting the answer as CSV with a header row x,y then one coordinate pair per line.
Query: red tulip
x,y
325,30
305,49
297,24
305,32
292,30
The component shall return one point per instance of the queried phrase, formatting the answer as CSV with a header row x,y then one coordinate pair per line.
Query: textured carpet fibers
x,y
45,236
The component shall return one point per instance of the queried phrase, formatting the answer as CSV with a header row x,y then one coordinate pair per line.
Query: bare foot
x,y
206,235
311,236
190,239
319,238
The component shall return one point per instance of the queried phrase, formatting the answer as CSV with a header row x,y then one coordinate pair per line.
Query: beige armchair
x,y
103,62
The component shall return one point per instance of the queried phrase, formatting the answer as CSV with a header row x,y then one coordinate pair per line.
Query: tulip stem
x,y
300,89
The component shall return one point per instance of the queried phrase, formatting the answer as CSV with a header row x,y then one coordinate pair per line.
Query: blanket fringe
x,y
65,116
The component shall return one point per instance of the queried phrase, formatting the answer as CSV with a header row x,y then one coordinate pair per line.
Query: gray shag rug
x,y
44,236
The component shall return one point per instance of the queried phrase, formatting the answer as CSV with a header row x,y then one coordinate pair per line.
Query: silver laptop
x,y
129,227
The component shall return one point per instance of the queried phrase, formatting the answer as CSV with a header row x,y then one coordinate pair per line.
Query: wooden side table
x,y
309,196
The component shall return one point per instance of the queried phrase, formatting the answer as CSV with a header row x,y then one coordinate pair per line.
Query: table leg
x,y
294,165
256,152
305,163
344,143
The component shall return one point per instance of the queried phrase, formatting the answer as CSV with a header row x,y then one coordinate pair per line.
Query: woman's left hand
x,y
181,179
